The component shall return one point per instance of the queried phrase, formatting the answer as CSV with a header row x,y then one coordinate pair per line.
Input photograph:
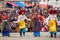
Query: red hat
x,y
55,11
20,11
52,11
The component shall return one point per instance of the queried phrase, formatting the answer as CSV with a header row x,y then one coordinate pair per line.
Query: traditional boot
x,y
24,33
54,35
51,35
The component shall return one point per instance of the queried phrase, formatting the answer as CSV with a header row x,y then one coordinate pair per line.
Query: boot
x,y
51,35
24,33
54,35
20,34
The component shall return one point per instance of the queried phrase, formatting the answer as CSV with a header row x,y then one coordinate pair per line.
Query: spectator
x,y
4,15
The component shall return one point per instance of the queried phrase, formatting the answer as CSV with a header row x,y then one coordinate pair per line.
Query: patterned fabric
x,y
6,29
37,25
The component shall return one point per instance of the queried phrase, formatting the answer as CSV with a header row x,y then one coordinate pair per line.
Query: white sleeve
x,y
25,17
17,20
57,20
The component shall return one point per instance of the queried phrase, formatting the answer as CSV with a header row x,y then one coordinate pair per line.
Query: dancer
x,y
6,28
21,22
37,25
53,21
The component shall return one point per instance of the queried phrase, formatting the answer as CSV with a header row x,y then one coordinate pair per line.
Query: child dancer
x,y
53,22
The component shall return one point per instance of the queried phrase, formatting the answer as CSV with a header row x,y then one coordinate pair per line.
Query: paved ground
x,y
29,36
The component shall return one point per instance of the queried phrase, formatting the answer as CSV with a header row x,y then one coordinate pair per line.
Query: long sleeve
x,y
17,20
21,17
57,20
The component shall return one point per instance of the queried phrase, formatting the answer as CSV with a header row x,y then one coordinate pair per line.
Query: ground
x,y
29,36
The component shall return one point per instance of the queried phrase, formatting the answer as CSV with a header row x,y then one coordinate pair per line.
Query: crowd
x,y
33,19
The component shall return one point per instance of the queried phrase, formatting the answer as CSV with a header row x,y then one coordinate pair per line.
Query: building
x,y
55,3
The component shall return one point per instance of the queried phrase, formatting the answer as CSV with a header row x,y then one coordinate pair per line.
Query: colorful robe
x,y
21,24
52,23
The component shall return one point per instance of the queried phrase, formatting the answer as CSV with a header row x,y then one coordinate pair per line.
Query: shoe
x,y
54,36
35,36
38,36
8,36
51,35
24,34
20,35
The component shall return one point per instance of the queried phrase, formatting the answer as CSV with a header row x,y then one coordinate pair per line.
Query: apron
x,y
52,26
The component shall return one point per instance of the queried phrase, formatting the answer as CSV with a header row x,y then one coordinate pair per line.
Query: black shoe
x,y
55,35
8,36
35,36
24,34
51,35
20,34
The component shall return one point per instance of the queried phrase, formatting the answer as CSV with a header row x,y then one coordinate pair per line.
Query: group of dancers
x,y
51,23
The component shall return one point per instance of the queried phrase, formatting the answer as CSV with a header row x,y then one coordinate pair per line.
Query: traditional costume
x,y
52,23
37,25
6,29
21,23
22,29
